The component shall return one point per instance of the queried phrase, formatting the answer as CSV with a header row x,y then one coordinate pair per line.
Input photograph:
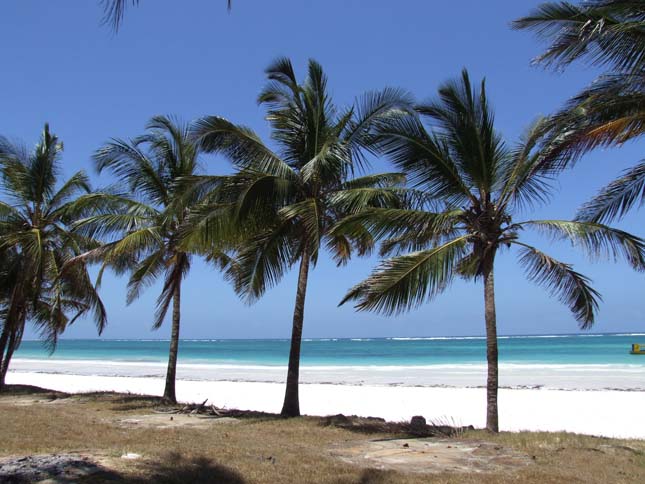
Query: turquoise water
x,y
557,349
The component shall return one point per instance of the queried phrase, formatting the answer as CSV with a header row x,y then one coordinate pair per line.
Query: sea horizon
x,y
331,338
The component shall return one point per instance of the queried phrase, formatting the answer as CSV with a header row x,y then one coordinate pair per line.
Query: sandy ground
x,y
606,413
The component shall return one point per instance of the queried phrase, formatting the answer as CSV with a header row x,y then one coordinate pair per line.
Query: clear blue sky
x,y
192,58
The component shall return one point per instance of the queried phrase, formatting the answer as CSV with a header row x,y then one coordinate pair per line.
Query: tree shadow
x,y
376,476
171,469
176,469
23,390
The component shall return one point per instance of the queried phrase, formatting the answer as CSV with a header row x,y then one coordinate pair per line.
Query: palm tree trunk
x,y
291,405
169,395
492,421
4,339
10,348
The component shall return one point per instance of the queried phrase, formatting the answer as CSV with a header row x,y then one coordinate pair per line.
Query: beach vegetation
x,y
37,240
263,448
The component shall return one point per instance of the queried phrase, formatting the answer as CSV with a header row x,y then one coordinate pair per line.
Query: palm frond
x,y
617,198
461,114
129,163
526,176
172,283
404,282
355,200
263,259
569,286
609,112
78,183
376,180
145,273
240,144
596,239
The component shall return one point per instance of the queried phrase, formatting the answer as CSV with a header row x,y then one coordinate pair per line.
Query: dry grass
x,y
266,449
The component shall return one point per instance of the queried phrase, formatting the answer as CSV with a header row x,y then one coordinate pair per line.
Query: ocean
x,y
581,361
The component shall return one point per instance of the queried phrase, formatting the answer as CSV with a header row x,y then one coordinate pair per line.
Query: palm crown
x,y
37,241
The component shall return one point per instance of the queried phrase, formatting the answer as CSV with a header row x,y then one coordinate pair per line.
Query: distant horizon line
x,y
358,338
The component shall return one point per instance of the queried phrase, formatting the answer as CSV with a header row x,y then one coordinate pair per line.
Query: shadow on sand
x,y
176,469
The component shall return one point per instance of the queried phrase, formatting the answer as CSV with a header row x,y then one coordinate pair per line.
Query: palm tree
x,y
145,226
611,34
468,187
114,10
295,194
36,241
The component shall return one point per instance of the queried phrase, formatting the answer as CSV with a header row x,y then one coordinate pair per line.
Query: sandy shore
x,y
512,375
602,412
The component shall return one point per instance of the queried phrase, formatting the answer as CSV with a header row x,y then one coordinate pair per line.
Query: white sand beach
x,y
608,413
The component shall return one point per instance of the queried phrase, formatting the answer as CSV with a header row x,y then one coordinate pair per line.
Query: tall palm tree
x,y
295,194
610,34
36,241
145,225
469,186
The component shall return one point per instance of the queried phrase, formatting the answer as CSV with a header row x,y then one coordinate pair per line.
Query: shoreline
x,y
610,413
566,377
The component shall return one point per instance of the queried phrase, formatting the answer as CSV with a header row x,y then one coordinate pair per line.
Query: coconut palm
x,y
144,227
611,34
36,241
469,186
295,194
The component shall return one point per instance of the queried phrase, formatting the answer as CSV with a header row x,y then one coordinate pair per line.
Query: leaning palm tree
x,y
610,34
294,195
36,242
468,186
145,225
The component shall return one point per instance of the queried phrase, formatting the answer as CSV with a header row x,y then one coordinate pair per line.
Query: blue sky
x,y
191,58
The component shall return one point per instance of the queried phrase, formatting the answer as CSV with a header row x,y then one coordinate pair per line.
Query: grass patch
x,y
262,448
